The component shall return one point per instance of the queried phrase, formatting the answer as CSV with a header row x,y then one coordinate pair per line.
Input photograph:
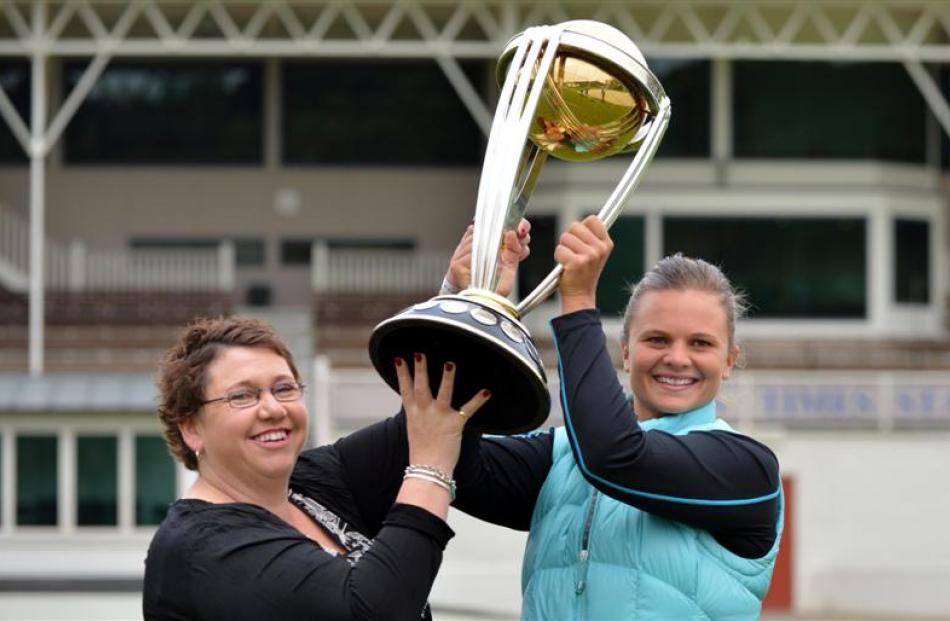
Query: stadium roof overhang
x,y
912,32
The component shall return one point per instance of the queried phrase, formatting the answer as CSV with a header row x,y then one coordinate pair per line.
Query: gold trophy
x,y
579,91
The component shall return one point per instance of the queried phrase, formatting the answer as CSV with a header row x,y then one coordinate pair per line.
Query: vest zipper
x,y
583,556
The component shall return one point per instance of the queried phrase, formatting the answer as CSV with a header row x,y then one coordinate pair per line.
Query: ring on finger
x,y
462,413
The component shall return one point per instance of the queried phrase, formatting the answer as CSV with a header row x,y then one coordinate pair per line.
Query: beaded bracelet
x,y
433,475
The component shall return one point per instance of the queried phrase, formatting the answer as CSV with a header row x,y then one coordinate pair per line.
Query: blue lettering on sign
x,y
817,402
922,402
851,402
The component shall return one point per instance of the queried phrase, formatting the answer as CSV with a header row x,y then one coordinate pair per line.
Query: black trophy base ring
x,y
489,348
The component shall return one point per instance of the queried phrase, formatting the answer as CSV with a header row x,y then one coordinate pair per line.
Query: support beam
x,y
75,99
768,29
931,93
14,122
37,190
466,92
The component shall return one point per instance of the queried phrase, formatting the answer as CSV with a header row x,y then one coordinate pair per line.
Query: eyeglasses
x,y
248,397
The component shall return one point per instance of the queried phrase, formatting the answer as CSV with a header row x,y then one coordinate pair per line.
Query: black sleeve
x,y
499,478
370,463
722,482
247,567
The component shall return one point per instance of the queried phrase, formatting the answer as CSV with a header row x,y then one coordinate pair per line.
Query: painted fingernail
x,y
449,366
398,362
486,393
418,357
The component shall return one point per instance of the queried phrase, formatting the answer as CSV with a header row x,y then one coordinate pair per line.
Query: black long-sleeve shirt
x,y
718,481
239,561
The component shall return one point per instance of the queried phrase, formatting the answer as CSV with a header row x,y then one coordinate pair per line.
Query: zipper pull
x,y
582,572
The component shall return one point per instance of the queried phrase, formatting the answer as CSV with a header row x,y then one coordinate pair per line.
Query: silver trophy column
x,y
577,91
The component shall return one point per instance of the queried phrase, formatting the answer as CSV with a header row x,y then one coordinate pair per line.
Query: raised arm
x,y
719,481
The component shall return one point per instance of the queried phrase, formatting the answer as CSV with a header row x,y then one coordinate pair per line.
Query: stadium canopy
x,y
910,32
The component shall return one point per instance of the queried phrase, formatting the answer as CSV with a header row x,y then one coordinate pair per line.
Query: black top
x,y
239,561
499,478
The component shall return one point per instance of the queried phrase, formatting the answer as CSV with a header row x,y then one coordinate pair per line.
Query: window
x,y
36,480
912,258
167,113
15,80
397,112
97,480
154,480
789,267
248,251
295,251
827,110
623,268
687,84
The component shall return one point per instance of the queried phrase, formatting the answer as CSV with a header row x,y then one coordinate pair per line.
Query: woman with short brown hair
x,y
268,532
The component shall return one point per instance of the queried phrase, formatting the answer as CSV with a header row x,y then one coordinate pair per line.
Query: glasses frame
x,y
259,391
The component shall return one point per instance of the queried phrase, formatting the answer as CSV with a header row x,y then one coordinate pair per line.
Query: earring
x,y
197,454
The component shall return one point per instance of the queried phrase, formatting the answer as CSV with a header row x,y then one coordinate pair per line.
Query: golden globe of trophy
x,y
578,91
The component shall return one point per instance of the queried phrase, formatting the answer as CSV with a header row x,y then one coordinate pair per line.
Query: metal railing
x,y
73,267
375,270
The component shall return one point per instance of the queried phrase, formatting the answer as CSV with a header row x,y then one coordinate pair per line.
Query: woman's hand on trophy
x,y
433,427
583,251
514,249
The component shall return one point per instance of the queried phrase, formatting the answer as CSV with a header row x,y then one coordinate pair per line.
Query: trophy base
x,y
490,349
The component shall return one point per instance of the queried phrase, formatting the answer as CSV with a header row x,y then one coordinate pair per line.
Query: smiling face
x,y
254,445
677,353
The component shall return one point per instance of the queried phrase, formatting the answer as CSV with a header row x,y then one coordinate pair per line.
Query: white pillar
x,y
77,265
226,257
37,190
320,416
7,481
66,481
721,117
126,496
653,237
320,265
879,253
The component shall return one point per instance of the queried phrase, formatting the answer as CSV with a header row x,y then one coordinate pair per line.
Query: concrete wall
x,y
871,521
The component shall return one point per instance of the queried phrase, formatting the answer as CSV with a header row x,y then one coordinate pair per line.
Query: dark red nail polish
x,y
398,362
486,393
449,366
418,357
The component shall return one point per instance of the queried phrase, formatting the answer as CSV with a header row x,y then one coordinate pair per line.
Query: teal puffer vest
x,y
590,557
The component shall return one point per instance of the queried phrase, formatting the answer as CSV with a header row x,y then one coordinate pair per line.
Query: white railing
x,y
349,398
14,251
376,270
74,268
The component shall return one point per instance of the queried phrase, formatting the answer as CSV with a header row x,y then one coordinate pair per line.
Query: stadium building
x,y
314,163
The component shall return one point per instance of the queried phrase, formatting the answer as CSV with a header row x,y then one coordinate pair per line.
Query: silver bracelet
x,y
448,288
431,479
434,475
